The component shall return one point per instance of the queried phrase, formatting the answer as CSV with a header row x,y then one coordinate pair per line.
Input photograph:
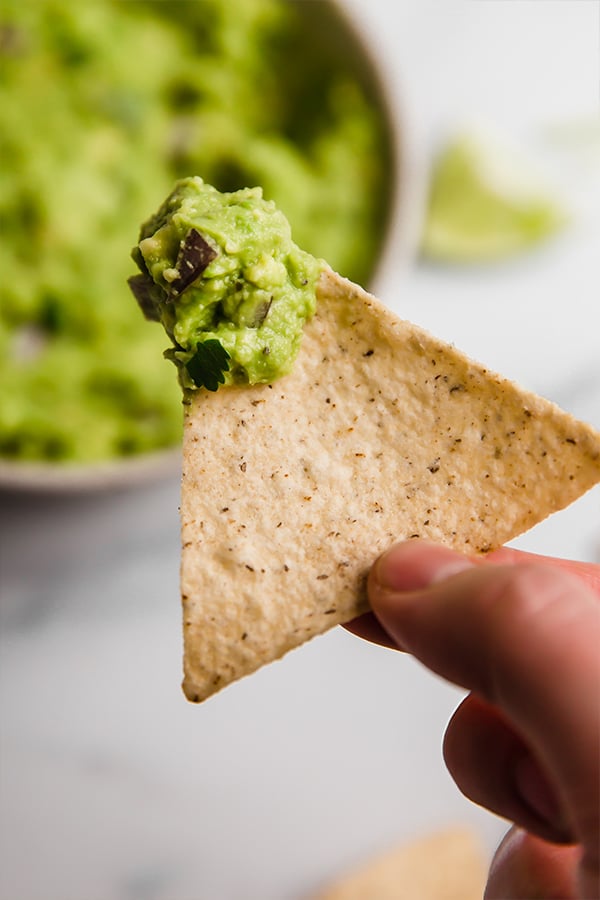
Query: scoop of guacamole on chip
x,y
221,272
104,106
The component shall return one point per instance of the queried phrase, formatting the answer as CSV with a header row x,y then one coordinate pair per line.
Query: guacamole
x,y
221,273
104,104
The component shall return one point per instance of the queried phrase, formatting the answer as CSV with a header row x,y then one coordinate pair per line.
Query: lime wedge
x,y
486,203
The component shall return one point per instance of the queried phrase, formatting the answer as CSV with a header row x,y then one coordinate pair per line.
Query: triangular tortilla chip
x,y
381,432
447,865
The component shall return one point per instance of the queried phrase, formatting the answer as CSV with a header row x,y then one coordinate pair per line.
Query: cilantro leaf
x,y
207,365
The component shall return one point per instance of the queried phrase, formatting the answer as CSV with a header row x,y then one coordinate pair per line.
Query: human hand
x,y
522,634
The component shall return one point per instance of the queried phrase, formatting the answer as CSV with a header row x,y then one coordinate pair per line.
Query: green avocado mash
x,y
222,274
104,104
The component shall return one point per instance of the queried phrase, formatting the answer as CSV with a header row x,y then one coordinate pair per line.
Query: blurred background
x,y
455,169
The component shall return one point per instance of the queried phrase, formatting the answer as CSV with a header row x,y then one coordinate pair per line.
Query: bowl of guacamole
x,y
104,106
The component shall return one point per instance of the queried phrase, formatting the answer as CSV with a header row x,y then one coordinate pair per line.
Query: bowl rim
x,y
132,471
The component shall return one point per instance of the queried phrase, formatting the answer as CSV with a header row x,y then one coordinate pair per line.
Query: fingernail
x,y
414,565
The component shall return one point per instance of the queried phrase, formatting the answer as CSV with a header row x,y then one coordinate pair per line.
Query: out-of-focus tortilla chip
x,y
381,432
449,865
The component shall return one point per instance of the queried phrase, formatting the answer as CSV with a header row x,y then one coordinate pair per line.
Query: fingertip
x,y
526,866
414,565
368,627
401,576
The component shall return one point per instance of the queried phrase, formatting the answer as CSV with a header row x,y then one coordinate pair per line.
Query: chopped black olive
x,y
194,256
260,314
147,295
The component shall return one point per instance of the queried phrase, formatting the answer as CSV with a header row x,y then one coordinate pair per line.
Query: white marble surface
x,y
112,787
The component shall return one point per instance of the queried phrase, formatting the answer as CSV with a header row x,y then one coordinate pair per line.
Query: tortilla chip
x,y
446,866
381,432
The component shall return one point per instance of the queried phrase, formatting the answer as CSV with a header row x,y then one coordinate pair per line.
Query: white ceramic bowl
x,y
341,34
